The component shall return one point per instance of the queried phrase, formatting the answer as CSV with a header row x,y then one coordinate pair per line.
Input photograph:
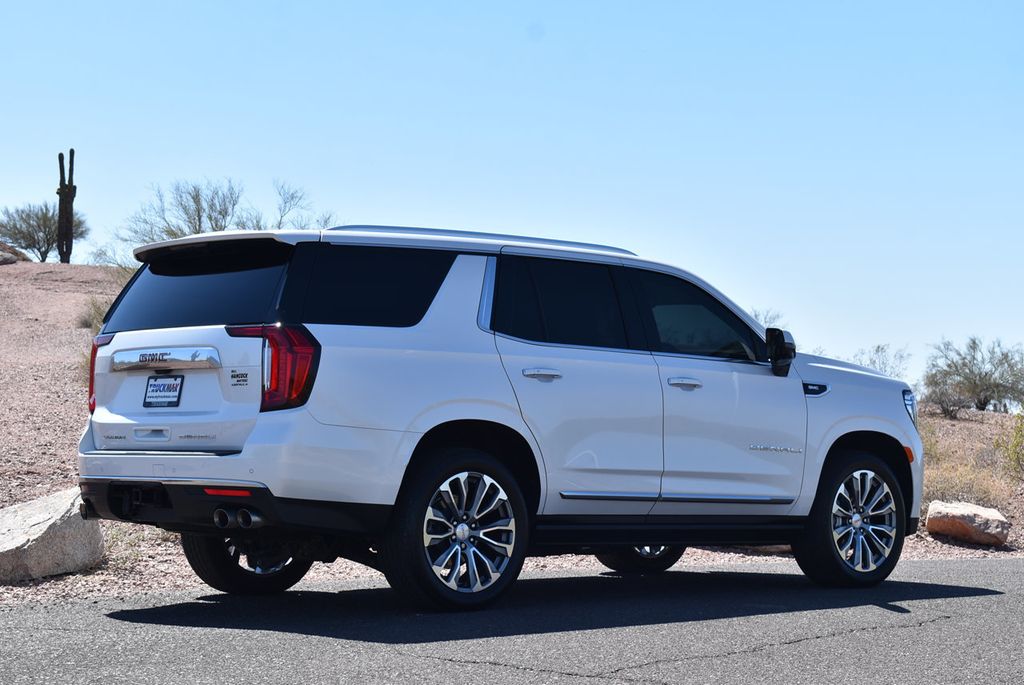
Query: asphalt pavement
x,y
955,621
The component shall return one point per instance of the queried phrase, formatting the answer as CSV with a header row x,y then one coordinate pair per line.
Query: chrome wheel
x,y
650,552
469,532
263,564
864,521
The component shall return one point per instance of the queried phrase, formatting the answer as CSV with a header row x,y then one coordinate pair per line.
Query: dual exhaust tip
x,y
237,518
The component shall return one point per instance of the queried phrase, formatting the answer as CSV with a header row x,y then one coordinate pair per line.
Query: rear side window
x,y
374,286
681,318
213,283
557,301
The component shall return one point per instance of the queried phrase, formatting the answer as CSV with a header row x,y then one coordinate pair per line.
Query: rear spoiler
x,y
146,253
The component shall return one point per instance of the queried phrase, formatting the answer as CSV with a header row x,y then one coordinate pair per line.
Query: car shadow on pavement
x,y
539,605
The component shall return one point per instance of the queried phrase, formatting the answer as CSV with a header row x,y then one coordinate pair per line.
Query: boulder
x,y
968,522
46,537
9,255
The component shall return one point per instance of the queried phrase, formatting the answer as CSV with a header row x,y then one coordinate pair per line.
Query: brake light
x,y
290,358
97,342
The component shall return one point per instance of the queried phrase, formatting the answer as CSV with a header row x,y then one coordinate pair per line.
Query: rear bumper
x,y
185,505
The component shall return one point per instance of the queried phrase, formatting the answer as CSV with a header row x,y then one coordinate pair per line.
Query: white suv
x,y
440,404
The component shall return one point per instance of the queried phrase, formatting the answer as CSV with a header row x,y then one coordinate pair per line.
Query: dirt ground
x,y
43,379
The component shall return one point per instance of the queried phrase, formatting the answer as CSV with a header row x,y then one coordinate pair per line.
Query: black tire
x,y
403,554
211,559
629,560
817,551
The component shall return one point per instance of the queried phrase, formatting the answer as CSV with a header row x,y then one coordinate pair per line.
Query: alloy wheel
x,y
864,521
469,531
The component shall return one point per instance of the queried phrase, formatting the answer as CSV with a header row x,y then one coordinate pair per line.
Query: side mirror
x,y
781,350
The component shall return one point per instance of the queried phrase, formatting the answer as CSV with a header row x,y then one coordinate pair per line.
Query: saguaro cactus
x,y
65,207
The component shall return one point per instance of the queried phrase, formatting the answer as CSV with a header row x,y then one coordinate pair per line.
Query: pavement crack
x,y
502,664
772,645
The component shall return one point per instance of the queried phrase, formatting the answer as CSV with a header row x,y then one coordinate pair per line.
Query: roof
x,y
397,235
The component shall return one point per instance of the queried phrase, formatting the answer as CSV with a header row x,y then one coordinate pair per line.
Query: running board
x,y
596,531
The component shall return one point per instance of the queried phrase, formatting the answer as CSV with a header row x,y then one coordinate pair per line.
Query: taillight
x,y
97,342
290,357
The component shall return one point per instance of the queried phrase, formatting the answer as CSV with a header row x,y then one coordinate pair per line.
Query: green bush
x,y
1011,447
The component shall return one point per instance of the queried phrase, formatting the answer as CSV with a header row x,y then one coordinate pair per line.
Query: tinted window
x,y
374,286
679,317
557,301
220,282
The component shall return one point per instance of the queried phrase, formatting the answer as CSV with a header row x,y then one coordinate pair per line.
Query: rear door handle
x,y
683,382
542,374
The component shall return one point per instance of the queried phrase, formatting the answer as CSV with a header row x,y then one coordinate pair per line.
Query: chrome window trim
x,y
185,357
568,346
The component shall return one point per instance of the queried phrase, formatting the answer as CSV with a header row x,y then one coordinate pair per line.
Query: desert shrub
x,y
91,316
883,359
965,481
974,375
34,228
1011,447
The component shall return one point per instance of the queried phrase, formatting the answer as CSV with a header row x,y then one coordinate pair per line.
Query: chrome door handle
x,y
542,374
683,382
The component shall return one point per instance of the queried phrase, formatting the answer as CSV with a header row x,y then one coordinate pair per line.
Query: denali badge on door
x,y
163,391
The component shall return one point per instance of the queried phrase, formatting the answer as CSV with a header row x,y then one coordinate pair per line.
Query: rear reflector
x,y
290,358
224,492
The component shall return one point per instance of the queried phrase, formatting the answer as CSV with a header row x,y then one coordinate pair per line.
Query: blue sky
x,y
857,166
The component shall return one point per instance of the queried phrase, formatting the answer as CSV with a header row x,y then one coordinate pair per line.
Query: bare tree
x,y
883,359
34,228
976,374
292,211
769,318
189,207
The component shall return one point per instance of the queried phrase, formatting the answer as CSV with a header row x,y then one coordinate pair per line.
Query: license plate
x,y
163,391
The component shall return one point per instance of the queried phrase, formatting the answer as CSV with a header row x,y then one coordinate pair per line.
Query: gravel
x,y
43,384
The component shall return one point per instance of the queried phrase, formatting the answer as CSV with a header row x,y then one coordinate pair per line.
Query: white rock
x,y
968,522
46,537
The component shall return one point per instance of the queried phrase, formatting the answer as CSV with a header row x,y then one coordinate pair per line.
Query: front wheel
x,y
242,567
642,559
855,530
458,535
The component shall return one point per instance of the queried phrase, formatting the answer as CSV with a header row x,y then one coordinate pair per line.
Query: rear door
x,y
171,377
592,402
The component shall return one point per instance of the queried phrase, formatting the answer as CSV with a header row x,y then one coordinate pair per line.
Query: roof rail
x,y
444,232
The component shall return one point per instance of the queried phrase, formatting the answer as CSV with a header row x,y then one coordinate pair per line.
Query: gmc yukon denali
x,y
441,404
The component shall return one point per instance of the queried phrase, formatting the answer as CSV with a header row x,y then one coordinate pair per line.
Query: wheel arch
x,y
503,442
884,446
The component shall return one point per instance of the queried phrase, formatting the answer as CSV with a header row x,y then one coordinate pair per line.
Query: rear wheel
x,y
458,536
855,530
642,559
242,567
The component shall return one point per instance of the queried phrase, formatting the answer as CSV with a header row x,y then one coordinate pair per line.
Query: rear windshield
x,y
214,283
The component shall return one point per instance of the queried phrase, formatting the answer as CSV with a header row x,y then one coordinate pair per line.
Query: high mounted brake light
x,y
290,358
97,342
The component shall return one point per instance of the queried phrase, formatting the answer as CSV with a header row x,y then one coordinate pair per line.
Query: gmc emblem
x,y
154,357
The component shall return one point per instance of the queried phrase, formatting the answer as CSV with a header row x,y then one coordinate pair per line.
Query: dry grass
x,y
965,470
92,316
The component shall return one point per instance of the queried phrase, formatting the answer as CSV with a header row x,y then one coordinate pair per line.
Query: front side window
x,y
681,318
557,301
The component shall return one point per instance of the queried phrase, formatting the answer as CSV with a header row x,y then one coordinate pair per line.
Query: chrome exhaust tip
x,y
223,518
249,519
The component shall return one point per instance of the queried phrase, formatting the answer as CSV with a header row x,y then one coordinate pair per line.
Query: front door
x,y
735,433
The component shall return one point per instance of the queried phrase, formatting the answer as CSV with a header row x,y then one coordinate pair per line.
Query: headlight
x,y
911,403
